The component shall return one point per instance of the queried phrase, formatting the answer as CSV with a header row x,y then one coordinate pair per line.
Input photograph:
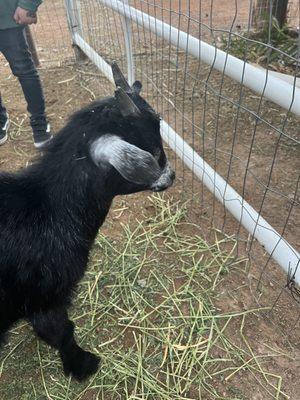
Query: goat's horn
x,y
126,105
119,78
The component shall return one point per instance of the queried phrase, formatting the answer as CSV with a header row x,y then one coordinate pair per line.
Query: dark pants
x,y
14,47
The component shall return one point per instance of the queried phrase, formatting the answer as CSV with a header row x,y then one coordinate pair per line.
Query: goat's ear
x,y
119,78
126,104
135,165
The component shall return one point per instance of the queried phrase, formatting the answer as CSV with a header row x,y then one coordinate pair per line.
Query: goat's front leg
x,y
4,327
55,328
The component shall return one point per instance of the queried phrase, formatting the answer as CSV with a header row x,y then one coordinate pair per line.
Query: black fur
x,y
50,214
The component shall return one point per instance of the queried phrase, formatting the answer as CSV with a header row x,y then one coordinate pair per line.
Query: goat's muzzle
x,y
165,180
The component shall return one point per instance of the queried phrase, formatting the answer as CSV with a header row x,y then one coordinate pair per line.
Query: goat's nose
x,y
165,180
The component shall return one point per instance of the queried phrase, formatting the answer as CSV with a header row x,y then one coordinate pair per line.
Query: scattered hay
x,y
146,306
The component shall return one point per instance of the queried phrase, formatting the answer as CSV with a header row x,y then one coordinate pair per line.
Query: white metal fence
x,y
129,27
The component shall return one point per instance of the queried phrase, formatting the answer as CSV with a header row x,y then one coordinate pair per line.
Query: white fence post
x,y
73,8
128,46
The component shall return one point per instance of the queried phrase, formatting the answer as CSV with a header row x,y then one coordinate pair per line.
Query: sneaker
x,y
41,133
4,125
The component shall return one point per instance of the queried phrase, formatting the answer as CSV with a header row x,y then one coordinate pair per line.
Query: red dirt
x,y
235,295
66,91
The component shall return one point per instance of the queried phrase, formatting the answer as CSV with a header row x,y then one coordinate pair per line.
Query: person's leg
x,y
15,49
55,328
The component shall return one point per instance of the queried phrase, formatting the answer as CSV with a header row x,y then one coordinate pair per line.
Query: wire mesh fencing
x,y
51,35
234,103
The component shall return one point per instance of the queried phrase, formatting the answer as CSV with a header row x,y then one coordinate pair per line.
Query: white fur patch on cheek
x,y
134,164
103,149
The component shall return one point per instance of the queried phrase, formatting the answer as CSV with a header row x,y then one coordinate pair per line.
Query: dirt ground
x,y
66,90
70,87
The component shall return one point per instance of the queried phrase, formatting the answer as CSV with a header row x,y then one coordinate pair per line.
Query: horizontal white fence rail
x,y
286,256
271,87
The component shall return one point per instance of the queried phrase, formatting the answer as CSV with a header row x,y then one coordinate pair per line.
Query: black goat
x,y
51,211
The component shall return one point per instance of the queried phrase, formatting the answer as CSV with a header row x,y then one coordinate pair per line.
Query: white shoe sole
x,y
5,128
40,145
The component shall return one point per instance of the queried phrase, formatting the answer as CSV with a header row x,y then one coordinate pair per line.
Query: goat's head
x,y
127,144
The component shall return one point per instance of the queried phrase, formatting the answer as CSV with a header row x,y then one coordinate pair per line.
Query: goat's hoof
x,y
81,366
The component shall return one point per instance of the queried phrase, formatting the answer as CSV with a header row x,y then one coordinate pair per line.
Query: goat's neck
x,y
73,189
